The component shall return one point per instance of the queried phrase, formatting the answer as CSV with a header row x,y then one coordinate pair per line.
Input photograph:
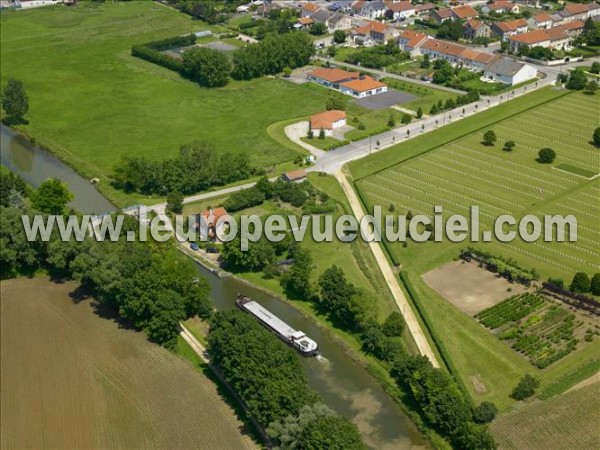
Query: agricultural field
x,y
568,421
91,102
71,379
451,167
541,330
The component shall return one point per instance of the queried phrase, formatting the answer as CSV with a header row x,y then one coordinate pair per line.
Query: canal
x,y
343,384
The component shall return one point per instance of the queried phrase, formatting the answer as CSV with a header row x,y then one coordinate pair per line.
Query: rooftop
x,y
363,84
505,66
333,75
464,12
324,120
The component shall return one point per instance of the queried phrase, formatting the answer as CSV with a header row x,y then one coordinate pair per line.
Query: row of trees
x,y
270,380
150,285
471,96
443,404
378,56
198,166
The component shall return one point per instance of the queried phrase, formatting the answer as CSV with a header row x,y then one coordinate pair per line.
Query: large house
x,y
371,10
441,15
581,11
558,37
327,121
474,29
308,9
540,21
464,12
456,54
379,32
509,28
349,83
333,21
500,7
400,10
509,71
410,41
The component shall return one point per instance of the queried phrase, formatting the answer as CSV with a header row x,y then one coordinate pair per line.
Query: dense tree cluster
x,y
577,80
151,285
451,30
12,188
271,55
441,402
198,167
378,56
209,67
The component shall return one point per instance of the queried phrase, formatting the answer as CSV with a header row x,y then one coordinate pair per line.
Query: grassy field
x,y
71,379
463,172
91,102
567,421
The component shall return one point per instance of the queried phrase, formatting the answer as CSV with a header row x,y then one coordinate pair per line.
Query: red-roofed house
x,y
540,21
369,9
474,29
364,86
457,54
308,9
581,11
211,223
464,12
559,37
400,9
379,32
410,41
327,121
331,78
294,176
500,7
509,28
441,15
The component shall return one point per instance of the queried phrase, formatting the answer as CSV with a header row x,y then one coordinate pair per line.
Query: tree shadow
x,y
11,121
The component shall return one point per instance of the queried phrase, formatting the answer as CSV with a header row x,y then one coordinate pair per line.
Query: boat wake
x,y
322,359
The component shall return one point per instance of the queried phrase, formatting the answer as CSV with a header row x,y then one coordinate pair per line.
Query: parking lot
x,y
380,101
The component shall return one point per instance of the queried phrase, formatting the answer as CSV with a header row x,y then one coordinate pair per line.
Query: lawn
x,y
426,96
91,102
72,379
462,172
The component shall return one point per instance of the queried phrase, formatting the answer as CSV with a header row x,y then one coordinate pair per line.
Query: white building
x,y
508,71
27,4
327,121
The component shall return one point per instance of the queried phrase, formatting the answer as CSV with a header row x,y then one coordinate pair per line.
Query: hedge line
x,y
447,360
151,51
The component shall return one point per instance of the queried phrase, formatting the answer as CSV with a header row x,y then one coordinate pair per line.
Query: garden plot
x,y
469,287
465,173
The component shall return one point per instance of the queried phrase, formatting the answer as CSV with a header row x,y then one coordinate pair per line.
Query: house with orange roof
x,y
559,37
304,22
369,9
441,15
457,54
400,10
327,121
294,176
474,29
331,78
500,7
509,28
308,9
410,41
581,11
464,12
362,87
211,223
540,21
379,32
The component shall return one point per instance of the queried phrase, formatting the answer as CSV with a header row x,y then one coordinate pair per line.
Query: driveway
x,y
299,130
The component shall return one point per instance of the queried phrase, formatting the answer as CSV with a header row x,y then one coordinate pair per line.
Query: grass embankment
x,y
92,103
486,366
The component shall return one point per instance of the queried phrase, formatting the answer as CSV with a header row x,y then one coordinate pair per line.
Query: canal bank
x,y
339,377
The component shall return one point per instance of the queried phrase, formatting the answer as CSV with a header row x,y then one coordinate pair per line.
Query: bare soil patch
x,y
469,287
71,379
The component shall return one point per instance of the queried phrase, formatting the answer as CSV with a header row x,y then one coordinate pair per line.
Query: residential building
x,y
423,9
339,21
294,176
558,37
541,21
331,78
303,22
410,41
27,4
308,9
362,87
509,71
456,54
400,10
500,7
474,29
464,12
211,223
441,15
379,32
581,11
327,121
509,28
368,9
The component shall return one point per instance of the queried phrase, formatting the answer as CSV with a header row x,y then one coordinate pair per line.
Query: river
x,y
35,166
343,384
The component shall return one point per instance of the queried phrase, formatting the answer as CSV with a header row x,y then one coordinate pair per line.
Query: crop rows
x,y
510,310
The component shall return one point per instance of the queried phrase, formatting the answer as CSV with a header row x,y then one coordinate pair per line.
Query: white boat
x,y
297,339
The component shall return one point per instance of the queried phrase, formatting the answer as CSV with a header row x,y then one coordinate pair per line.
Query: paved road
x,y
390,278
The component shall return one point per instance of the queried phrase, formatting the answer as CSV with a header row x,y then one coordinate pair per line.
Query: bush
x,y
489,138
581,283
394,324
406,118
526,387
243,199
485,412
546,156
509,146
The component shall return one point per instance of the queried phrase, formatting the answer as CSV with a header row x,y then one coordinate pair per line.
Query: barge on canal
x,y
297,339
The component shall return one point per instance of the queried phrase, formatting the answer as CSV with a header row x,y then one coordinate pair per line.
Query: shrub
x,y
581,283
526,387
489,137
485,412
546,156
509,146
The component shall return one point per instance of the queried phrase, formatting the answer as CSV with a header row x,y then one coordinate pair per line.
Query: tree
x,y
526,387
296,281
175,202
581,283
333,432
310,134
339,36
11,185
335,292
288,432
596,137
595,67
546,156
287,72
485,412
52,197
489,138
595,284
318,29
335,101
562,77
394,324
450,29
419,112
426,63
321,133
209,67
591,88
391,121
509,146
406,118
14,100
577,80
433,110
